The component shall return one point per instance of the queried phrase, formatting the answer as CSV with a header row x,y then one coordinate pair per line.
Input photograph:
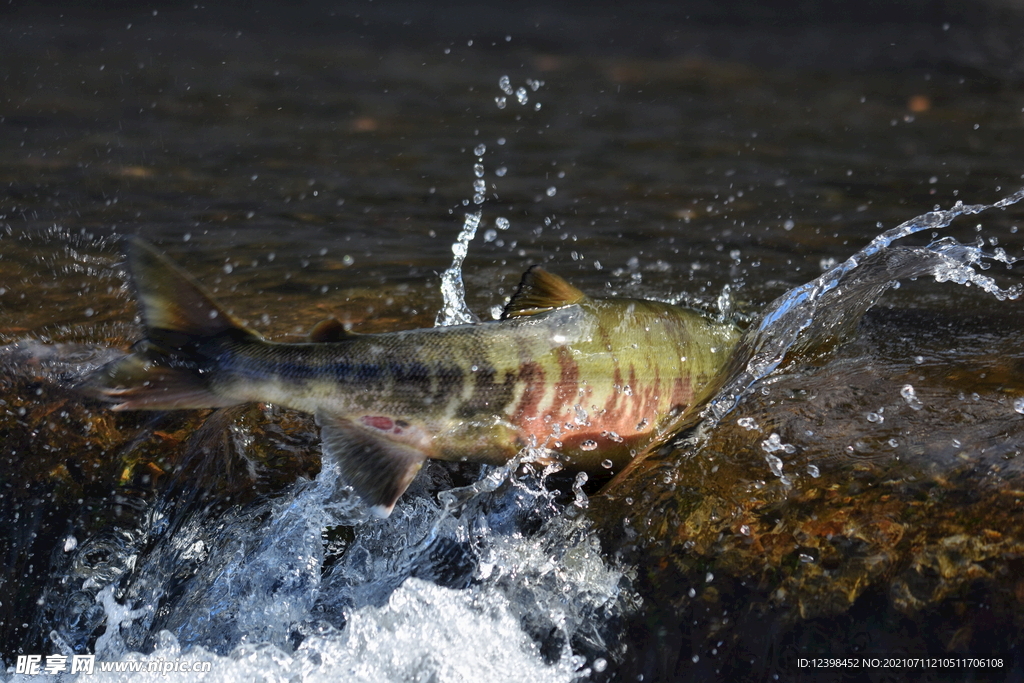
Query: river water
x,y
857,487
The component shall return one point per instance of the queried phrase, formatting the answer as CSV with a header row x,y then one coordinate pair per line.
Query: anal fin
x,y
378,468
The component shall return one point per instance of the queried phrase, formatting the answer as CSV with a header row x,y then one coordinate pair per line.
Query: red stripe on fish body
x,y
615,376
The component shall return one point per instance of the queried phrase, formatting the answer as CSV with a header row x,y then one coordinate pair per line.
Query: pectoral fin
x,y
380,469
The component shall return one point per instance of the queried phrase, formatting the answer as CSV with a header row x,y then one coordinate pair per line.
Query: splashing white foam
x,y
445,589
423,632
454,310
831,304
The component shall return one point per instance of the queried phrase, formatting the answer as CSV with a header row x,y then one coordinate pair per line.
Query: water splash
x,y
423,632
454,310
831,305
445,587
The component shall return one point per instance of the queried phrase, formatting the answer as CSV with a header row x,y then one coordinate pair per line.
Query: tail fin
x,y
172,367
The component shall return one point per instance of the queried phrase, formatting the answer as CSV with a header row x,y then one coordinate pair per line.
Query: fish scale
x,y
589,380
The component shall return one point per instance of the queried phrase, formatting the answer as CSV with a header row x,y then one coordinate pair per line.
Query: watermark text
x,y
32,665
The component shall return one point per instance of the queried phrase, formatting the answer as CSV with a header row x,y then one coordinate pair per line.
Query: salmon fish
x,y
589,382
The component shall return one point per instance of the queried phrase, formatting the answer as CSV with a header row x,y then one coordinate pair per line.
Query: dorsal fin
x,y
540,291
329,330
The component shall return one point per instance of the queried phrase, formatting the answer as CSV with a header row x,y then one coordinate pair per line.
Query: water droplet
x,y
747,423
577,489
774,464
910,396
478,170
788,225
709,577
1018,405
607,464
875,418
501,223
774,443
813,470
581,416
489,235
551,191
480,149
89,312
695,658
501,171
744,529
522,96
505,85
500,101
600,664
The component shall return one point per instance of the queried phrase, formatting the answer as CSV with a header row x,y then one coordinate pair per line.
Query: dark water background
x,y
318,160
